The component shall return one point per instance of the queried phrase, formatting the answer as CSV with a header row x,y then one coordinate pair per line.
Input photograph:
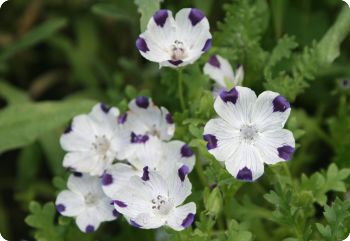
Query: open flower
x,y
86,201
90,140
154,200
249,131
175,42
220,70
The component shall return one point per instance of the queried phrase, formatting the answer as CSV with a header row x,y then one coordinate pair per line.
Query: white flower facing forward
x,y
220,70
90,142
175,42
153,200
249,131
86,201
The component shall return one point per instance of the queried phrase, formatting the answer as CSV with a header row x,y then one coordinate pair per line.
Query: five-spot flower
x,y
175,42
86,201
249,131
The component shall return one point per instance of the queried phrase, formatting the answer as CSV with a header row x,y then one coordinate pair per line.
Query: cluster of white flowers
x,y
126,164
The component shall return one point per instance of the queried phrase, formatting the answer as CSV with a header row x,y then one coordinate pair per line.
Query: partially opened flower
x,y
220,70
90,140
175,42
85,201
154,200
249,131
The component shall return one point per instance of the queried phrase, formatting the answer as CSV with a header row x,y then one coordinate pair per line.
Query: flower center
x,y
90,199
101,145
248,133
162,204
178,51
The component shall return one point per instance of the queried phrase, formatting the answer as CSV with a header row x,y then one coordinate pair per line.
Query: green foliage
x,y
147,8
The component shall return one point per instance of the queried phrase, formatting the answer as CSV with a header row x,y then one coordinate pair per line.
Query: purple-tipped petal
x,y
89,229
107,179
207,45
169,119
280,104
68,129
245,174
60,208
195,16
229,96
175,62
77,174
105,108
141,44
138,139
182,172
145,175
122,118
115,213
142,102
212,141
160,17
134,224
120,204
186,151
285,152
188,220
214,61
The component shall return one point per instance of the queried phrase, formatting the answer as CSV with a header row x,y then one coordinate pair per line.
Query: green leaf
x,y
111,11
11,94
22,124
147,8
35,36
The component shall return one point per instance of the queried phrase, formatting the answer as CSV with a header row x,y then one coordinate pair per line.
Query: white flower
x,y
86,201
90,140
249,131
175,42
220,70
154,200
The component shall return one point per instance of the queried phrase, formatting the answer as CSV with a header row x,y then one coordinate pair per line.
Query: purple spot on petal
x,y
245,174
207,45
115,213
182,172
229,96
141,44
212,141
186,151
105,108
169,119
120,204
285,152
77,174
175,62
134,224
60,208
145,175
280,104
68,129
107,179
89,229
160,17
122,118
138,138
195,16
142,102
214,61
188,220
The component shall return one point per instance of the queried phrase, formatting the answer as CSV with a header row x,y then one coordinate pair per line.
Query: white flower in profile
x,y
220,70
249,131
90,140
154,200
175,42
85,201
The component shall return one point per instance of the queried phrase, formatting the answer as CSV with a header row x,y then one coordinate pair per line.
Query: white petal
x,y
271,111
246,163
85,184
179,185
105,210
182,217
235,106
148,221
239,75
180,152
86,162
219,69
69,203
276,146
105,118
88,221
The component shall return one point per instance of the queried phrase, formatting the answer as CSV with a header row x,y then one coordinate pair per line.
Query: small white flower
x,y
90,140
86,201
249,131
220,70
175,42
154,200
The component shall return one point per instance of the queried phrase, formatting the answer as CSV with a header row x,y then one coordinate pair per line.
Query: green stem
x,y
181,92
200,172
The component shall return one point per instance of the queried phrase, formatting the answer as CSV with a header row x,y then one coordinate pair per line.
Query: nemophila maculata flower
x,y
249,131
154,200
90,140
175,42
85,201
220,70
